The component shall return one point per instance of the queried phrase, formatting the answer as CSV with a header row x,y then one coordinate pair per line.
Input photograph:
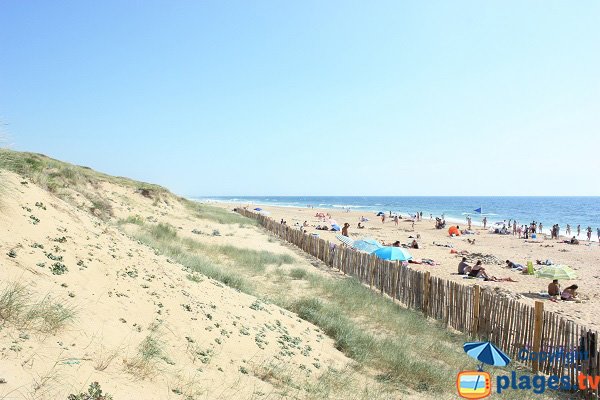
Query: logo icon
x,y
473,384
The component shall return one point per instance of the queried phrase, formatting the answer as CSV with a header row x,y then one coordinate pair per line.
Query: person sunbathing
x,y
414,244
477,271
570,293
554,288
463,267
512,265
360,226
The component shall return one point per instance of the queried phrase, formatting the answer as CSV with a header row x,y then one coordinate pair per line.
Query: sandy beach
x,y
492,249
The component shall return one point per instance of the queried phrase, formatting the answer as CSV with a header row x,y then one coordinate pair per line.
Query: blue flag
x,y
478,210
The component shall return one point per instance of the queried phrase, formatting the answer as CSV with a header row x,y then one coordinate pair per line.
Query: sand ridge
x,y
207,340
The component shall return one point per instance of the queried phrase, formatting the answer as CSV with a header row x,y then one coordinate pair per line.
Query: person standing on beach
x,y
568,230
589,233
598,233
383,218
396,220
540,228
578,230
515,228
484,222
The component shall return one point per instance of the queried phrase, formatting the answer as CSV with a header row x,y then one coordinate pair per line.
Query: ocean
x,y
584,211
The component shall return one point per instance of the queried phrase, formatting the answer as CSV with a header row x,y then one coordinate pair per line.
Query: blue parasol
x,y
367,245
393,253
258,209
486,353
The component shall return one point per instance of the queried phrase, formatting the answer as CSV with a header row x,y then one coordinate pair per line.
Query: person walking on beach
x,y
578,230
396,220
484,222
568,230
540,228
383,218
589,233
598,233
515,228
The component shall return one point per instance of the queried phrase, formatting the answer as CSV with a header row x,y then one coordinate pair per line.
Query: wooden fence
x,y
513,326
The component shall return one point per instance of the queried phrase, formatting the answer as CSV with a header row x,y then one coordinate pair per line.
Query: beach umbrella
x,y
336,227
345,239
556,272
393,253
258,209
367,245
486,353
380,213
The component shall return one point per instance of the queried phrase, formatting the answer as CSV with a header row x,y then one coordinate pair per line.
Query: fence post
x,y
538,325
476,299
426,292
395,281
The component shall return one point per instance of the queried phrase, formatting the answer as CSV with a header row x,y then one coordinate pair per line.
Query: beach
x,y
492,249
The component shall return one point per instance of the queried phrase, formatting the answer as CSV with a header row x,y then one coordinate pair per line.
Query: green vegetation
x,y
94,393
150,352
217,214
44,316
61,178
298,273
132,219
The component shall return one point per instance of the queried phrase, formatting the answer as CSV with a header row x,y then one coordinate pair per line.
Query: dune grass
x,y
298,273
43,316
217,214
255,261
132,219
149,353
163,238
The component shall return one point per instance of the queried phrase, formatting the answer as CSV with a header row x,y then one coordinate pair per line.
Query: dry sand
x,y
583,258
216,342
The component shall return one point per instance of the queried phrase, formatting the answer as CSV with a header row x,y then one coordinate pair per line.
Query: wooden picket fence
x,y
481,314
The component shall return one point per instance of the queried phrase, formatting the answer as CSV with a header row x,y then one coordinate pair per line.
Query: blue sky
x,y
310,97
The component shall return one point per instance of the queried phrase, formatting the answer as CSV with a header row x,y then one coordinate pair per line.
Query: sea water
x,y
584,211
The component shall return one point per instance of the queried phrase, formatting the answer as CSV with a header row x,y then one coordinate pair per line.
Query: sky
x,y
310,97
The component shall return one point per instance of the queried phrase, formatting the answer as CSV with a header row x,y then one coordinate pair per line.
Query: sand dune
x,y
133,320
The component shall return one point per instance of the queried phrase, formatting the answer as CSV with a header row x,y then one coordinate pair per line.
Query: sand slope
x,y
201,339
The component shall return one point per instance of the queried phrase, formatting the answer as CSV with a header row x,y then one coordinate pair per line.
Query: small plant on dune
x,y
150,352
58,268
101,207
94,393
13,301
47,316
132,219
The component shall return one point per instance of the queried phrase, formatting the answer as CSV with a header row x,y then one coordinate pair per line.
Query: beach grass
x,y
217,214
164,239
43,316
149,353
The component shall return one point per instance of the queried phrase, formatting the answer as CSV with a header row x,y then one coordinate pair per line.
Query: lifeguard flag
x,y
478,210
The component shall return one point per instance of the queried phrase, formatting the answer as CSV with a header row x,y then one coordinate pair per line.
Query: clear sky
x,y
310,97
